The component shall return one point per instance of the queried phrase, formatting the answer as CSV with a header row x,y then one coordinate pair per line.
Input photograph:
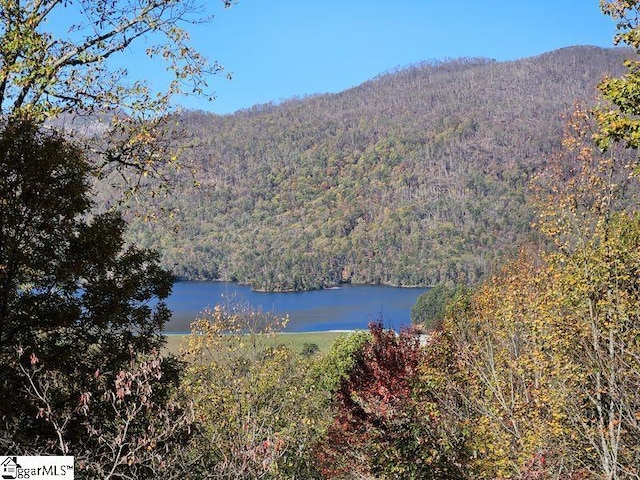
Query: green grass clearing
x,y
295,341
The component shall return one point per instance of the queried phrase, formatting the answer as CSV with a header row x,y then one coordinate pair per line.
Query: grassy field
x,y
296,341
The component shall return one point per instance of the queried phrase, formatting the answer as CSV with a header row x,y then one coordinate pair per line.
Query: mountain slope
x,y
416,177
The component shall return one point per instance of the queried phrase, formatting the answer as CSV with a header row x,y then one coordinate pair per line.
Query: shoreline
x,y
330,287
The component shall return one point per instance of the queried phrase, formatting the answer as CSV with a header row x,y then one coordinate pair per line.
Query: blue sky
x,y
279,49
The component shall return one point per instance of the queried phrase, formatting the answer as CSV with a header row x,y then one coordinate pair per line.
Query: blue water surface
x,y
348,307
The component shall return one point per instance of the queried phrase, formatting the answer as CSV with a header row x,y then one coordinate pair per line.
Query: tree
x,y
258,412
142,434
57,58
509,348
618,121
550,344
430,307
597,228
548,348
55,54
386,424
81,314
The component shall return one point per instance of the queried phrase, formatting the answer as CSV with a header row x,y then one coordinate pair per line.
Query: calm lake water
x,y
345,308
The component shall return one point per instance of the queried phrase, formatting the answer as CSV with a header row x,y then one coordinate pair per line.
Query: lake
x,y
348,307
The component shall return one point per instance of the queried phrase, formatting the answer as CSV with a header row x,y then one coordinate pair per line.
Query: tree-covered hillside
x,y
418,176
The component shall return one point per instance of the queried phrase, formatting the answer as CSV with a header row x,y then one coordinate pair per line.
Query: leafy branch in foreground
x,y
60,62
56,53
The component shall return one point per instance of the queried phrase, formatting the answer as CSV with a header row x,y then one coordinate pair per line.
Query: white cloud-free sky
x,y
277,49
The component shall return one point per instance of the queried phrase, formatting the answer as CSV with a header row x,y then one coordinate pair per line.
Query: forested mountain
x,y
416,177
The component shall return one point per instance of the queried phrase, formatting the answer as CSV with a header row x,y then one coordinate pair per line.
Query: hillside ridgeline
x,y
416,177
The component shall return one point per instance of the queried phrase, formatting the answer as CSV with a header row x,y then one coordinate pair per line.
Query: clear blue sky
x,y
282,48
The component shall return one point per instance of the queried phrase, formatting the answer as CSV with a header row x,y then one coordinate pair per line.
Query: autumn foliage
x,y
532,375
549,344
384,426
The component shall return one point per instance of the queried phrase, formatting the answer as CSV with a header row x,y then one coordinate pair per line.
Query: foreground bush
x,y
259,415
387,420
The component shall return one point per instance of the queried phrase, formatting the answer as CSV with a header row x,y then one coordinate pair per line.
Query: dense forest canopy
x,y
416,177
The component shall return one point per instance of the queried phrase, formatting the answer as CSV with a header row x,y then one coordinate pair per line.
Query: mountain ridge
x,y
415,177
